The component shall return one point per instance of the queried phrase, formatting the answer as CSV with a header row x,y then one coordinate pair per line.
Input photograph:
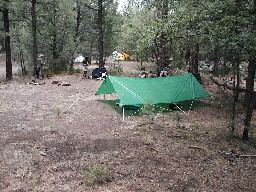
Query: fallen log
x,y
56,82
62,83
247,156
235,155
33,82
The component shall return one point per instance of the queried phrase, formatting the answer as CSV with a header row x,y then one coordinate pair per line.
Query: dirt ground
x,y
51,135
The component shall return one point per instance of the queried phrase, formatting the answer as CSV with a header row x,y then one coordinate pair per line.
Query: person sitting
x,y
163,72
143,73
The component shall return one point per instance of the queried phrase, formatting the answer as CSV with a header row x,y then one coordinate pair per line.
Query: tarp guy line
x,y
130,91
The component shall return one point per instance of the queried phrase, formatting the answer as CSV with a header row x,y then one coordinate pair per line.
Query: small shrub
x,y
206,79
148,109
96,175
58,108
178,117
115,70
244,147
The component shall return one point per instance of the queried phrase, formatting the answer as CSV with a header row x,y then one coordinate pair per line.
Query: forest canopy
x,y
168,32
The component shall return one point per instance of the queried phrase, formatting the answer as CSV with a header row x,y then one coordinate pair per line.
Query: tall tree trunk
x,y
7,40
163,49
34,35
247,123
78,20
54,51
237,61
21,55
76,35
187,55
101,33
249,97
163,57
22,63
193,59
233,106
237,73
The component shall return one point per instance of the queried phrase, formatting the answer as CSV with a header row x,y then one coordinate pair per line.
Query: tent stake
x,y
180,109
74,102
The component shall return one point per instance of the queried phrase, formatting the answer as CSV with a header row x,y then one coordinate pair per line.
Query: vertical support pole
x,y
123,112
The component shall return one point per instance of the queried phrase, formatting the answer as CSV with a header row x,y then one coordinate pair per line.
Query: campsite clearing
x,y
51,135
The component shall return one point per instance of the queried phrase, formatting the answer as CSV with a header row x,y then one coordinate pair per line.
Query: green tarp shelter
x,y
141,91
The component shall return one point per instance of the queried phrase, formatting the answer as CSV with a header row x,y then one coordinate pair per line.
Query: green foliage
x,y
225,24
113,23
138,33
59,34
96,175
148,109
72,70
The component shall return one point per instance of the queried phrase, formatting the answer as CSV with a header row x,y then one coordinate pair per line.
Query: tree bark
x,y
163,59
237,73
163,49
7,41
22,63
76,35
21,56
193,59
247,123
249,97
101,33
54,51
34,36
235,92
250,82
250,100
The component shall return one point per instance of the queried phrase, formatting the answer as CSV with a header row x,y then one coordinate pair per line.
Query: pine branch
x,y
230,87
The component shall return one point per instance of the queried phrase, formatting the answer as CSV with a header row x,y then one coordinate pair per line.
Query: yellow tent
x,y
123,57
